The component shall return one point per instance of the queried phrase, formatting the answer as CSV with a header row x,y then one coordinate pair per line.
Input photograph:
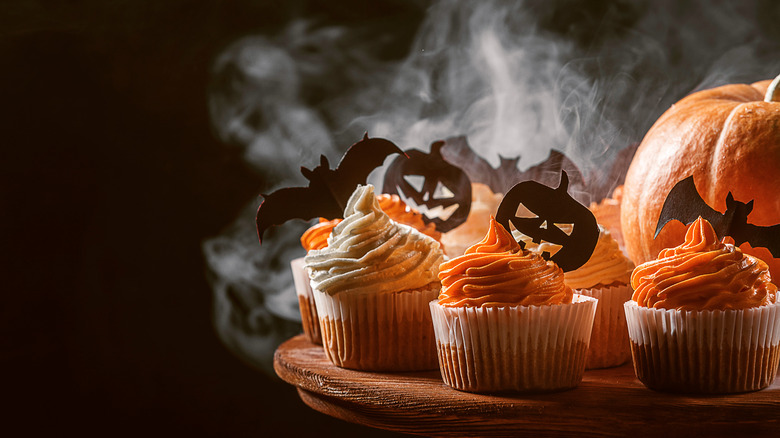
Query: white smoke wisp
x,y
517,78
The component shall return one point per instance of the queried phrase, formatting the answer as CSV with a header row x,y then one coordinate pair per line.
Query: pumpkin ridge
x,y
711,190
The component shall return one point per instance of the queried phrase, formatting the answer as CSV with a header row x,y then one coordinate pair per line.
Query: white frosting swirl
x,y
369,252
605,266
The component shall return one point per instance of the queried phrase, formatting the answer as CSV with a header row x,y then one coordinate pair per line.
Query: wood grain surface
x,y
610,402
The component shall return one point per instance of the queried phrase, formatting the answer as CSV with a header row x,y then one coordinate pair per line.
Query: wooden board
x,y
609,402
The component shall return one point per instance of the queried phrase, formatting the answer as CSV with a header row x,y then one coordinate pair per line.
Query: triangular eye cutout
x,y
566,228
524,212
416,181
442,192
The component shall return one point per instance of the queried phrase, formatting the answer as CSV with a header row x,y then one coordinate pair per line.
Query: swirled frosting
x,y
607,265
497,272
703,274
316,237
400,212
369,252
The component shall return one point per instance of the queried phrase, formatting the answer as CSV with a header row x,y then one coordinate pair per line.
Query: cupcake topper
x,y
431,185
458,151
538,211
683,203
328,190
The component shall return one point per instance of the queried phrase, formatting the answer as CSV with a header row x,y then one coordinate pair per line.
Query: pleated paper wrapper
x,y
609,346
519,349
709,352
309,318
386,331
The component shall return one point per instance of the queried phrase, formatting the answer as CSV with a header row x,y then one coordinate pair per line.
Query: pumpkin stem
x,y
773,92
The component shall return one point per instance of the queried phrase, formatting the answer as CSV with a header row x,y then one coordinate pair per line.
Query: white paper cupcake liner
x,y
308,308
705,351
609,345
520,348
379,331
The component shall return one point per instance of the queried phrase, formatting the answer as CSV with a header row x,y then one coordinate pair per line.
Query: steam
x,y
517,78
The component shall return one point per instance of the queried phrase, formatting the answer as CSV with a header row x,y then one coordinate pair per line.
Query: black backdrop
x,y
111,179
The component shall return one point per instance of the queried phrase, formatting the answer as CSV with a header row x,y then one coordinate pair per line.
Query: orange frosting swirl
x,y
402,213
703,274
316,237
497,272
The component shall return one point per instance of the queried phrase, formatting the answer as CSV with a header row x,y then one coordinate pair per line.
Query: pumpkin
x,y
431,185
728,138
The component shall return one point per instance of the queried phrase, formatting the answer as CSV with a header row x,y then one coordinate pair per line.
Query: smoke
x,y
586,78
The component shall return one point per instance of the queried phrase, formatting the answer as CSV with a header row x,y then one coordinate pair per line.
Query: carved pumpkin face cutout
x,y
440,191
551,217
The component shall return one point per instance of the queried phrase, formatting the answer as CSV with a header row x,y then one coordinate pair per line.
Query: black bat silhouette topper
x,y
328,190
683,203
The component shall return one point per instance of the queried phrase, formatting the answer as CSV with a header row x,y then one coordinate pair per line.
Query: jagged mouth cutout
x,y
441,195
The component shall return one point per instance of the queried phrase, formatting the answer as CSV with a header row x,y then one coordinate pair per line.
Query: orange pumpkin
x,y
728,138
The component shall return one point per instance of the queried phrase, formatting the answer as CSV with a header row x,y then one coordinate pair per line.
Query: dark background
x,y
112,177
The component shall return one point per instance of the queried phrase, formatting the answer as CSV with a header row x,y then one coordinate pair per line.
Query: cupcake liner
x,y
306,304
379,331
520,348
710,351
609,345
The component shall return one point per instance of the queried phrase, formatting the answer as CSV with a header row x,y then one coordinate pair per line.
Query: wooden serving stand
x,y
609,402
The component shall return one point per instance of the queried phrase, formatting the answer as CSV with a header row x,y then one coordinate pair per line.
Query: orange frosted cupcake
x,y
605,276
372,284
505,320
315,237
704,318
607,213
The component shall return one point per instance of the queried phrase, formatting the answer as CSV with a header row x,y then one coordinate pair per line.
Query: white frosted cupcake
x,y
372,284
505,321
605,276
316,237
704,318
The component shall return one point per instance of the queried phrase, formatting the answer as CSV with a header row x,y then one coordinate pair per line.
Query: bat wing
x,y
683,203
359,160
294,202
767,237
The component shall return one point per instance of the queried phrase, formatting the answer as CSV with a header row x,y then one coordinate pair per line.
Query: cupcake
x,y
316,237
506,321
605,276
484,204
607,213
372,284
704,318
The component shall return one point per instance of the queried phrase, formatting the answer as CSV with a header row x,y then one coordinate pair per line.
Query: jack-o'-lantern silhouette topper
x,y
431,185
551,216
